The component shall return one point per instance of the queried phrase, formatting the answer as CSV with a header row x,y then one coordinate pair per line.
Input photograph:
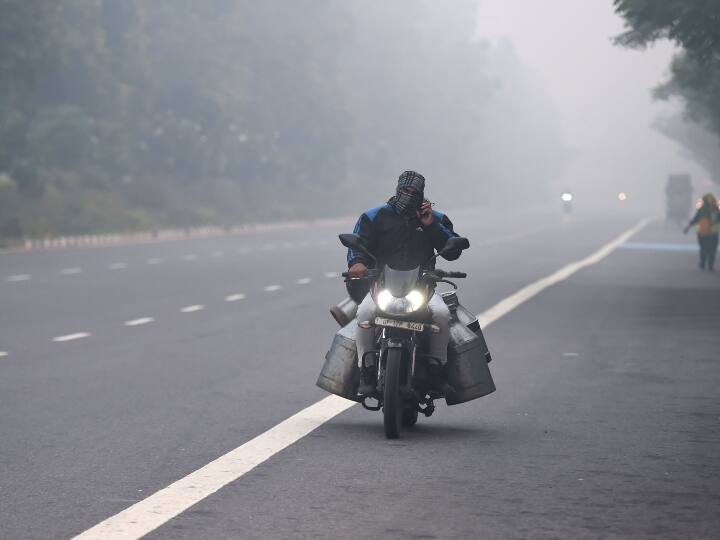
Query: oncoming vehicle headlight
x,y
413,301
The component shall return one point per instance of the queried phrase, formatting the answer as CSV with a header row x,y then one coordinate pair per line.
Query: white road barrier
x,y
160,507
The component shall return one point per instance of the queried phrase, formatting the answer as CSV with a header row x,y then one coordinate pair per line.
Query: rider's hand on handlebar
x,y
357,270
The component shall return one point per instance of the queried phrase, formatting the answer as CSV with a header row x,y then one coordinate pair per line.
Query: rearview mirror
x,y
354,242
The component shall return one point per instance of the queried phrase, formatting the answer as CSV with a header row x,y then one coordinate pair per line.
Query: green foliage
x,y
694,25
127,114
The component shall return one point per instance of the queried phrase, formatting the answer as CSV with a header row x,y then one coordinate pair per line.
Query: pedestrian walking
x,y
707,219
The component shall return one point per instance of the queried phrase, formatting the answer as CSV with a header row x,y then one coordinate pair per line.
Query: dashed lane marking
x,y
70,271
3,353
140,321
154,260
71,337
234,297
150,513
189,257
570,354
191,309
332,274
217,254
303,281
272,288
19,277
118,266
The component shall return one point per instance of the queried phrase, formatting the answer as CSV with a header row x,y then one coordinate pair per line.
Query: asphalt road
x,y
124,369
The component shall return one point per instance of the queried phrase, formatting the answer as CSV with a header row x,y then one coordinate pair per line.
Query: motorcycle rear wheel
x,y
392,401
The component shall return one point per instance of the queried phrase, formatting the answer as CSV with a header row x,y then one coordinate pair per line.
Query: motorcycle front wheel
x,y
392,401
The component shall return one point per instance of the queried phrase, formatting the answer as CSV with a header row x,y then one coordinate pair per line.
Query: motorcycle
x,y
404,386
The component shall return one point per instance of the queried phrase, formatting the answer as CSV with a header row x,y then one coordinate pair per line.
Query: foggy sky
x,y
602,92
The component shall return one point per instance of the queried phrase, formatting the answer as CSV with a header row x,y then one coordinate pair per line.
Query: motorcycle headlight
x,y
413,301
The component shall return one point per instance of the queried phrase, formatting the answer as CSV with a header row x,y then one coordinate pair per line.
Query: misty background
x,y
136,115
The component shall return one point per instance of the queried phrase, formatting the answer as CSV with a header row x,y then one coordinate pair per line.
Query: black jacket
x,y
399,242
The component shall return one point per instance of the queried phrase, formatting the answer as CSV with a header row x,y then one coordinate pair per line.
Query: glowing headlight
x,y
567,197
416,299
384,299
400,306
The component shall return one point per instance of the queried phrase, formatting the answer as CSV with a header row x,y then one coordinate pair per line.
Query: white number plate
x,y
407,325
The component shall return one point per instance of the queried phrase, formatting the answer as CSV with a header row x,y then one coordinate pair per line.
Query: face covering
x,y
408,203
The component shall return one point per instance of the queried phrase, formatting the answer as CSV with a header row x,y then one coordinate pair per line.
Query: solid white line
x,y
526,293
138,322
3,353
303,281
19,277
190,309
154,260
234,297
118,266
71,337
150,513
272,288
70,271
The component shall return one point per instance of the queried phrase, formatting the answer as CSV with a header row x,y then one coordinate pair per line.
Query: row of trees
x,y
694,25
118,115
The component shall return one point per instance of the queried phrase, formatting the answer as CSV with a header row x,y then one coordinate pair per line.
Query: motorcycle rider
x,y
403,234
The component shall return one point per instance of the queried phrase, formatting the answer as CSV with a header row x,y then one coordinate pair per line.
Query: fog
x,y
602,93
143,115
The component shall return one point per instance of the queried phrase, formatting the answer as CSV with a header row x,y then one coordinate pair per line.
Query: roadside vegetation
x,y
129,115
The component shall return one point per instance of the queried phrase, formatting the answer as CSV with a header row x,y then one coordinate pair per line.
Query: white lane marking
x,y
70,271
304,243
148,514
138,322
189,257
303,281
332,274
217,254
243,251
3,353
234,297
154,260
268,247
19,277
288,245
118,266
570,354
506,305
190,309
272,288
160,507
71,337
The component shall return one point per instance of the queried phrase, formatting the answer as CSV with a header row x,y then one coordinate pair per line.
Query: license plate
x,y
407,325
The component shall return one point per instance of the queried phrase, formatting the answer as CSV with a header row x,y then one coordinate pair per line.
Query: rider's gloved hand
x,y
357,270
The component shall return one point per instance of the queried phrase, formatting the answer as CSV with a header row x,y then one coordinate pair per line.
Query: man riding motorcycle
x,y
402,234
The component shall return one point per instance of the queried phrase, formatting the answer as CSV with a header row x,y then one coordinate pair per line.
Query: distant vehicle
x,y
567,198
622,196
678,198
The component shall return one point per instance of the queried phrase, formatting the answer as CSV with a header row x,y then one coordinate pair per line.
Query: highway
x,y
125,369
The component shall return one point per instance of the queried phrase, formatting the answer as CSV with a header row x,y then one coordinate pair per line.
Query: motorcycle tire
x,y
392,400
409,416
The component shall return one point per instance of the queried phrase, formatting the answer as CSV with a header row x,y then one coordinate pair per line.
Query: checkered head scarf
x,y
408,203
